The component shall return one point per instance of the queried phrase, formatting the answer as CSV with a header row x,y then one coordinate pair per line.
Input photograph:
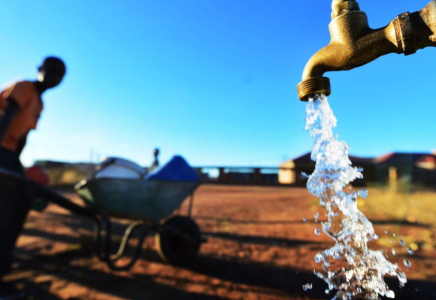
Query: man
x,y
20,107
155,163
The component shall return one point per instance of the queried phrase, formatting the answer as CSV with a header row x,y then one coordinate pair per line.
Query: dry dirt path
x,y
258,247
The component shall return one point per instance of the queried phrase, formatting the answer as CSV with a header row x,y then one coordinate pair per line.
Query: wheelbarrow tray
x,y
151,200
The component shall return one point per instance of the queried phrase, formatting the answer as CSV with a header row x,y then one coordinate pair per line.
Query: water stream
x,y
349,266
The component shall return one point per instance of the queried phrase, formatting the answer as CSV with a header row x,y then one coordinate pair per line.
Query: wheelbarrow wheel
x,y
179,240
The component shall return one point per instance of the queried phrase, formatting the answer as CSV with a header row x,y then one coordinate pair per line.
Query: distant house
x,y
418,168
292,171
287,173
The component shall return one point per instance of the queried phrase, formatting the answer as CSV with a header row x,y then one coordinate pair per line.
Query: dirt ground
x,y
258,247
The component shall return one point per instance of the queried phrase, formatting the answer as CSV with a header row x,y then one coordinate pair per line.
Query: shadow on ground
x,y
272,279
268,241
276,281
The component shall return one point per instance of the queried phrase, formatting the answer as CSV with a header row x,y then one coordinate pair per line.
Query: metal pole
x,y
191,200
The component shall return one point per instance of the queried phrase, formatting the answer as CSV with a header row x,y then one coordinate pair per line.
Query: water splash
x,y
407,263
349,266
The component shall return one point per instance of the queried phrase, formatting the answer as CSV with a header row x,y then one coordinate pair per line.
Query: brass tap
x,y
353,43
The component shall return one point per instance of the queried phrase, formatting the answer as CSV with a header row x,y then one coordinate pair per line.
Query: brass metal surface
x,y
353,43
340,7
312,86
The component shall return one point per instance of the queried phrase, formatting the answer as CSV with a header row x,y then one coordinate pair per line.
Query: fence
x,y
70,173
242,175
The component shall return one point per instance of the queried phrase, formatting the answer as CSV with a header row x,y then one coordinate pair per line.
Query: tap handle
x,y
340,7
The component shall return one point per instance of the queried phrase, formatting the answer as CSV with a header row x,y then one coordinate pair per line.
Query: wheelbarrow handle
x,y
101,221
50,195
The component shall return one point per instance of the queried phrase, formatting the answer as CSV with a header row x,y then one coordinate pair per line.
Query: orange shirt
x,y
30,103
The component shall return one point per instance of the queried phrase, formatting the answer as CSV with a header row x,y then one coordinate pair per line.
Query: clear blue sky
x,y
212,80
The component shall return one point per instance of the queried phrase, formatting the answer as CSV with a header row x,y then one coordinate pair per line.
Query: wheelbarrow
x,y
148,200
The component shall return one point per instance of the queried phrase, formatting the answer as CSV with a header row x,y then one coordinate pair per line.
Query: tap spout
x,y
354,44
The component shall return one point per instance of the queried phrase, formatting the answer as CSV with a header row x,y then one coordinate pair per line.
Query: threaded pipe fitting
x,y
340,7
312,86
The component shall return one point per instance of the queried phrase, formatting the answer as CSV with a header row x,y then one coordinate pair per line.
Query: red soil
x,y
258,248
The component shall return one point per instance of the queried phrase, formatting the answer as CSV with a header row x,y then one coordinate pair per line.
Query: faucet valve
x,y
404,33
353,43
340,7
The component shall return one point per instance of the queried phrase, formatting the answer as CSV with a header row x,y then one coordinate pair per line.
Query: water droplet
x,y
317,231
304,174
386,232
318,258
316,216
394,235
393,251
389,240
401,278
407,263
402,243
410,250
416,289
307,286
318,274
304,220
390,294
327,291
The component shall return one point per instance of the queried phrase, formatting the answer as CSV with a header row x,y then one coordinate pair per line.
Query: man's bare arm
x,y
11,109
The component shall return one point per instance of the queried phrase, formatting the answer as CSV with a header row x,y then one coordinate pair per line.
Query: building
x,y
293,171
415,168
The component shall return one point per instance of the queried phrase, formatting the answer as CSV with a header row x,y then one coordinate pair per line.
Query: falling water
x,y
349,267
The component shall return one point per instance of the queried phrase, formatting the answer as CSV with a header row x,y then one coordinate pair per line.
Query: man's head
x,y
156,152
51,72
